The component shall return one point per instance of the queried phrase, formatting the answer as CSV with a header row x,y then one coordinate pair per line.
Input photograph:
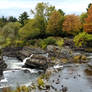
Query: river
x,y
73,76
15,75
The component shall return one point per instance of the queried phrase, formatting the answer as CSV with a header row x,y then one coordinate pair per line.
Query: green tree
x,y
89,5
82,17
11,30
30,30
54,26
3,21
41,14
61,11
12,19
23,18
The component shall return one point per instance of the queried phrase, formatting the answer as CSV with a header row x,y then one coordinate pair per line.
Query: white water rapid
x,y
16,74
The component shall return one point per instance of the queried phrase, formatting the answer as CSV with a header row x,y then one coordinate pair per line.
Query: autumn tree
x,y
88,21
54,26
72,24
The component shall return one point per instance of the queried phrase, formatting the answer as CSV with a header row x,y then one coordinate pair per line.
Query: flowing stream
x,y
15,75
75,77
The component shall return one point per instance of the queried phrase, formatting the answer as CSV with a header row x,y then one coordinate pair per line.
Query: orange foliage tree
x,y
72,24
88,20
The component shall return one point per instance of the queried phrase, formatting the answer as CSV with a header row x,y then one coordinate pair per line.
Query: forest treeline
x,y
47,22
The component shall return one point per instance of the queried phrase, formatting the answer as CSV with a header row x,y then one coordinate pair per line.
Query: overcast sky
x,y
16,7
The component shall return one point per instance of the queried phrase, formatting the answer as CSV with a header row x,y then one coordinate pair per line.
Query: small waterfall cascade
x,y
24,61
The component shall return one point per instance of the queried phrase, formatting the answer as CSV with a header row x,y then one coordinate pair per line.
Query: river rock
x,y
53,50
69,42
90,64
66,52
37,62
10,51
2,66
88,50
79,58
27,51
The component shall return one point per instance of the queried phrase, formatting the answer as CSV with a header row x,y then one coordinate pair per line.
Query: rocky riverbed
x,y
67,68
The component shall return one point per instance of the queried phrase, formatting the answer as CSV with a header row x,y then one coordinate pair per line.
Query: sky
x,y
16,7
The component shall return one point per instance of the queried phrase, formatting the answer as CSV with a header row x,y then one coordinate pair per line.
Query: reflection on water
x,y
74,78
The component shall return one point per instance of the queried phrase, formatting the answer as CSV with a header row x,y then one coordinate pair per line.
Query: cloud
x,y
15,7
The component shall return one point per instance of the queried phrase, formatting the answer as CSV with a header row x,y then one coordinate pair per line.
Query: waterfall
x,y
24,61
58,66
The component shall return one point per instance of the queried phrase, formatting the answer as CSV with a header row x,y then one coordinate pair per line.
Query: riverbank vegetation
x,y
48,26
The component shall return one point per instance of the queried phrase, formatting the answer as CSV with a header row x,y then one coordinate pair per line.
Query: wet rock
x,y
38,62
64,89
48,73
59,76
88,72
69,42
64,60
47,91
66,52
10,51
90,64
74,77
47,86
63,54
27,51
53,50
57,81
53,81
79,58
89,49
3,66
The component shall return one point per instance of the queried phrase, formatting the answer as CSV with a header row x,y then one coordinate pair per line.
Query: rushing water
x,y
76,77
16,75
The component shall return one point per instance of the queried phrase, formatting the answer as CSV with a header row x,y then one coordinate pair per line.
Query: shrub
x,y
2,40
32,42
42,44
82,39
19,43
48,41
40,82
30,30
60,42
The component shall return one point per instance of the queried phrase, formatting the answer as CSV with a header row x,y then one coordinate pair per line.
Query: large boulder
x,y
27,51
37,62
10,51
65,52
53,51
69,42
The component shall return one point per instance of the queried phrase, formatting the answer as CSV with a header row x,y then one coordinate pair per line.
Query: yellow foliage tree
x,y
54,26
